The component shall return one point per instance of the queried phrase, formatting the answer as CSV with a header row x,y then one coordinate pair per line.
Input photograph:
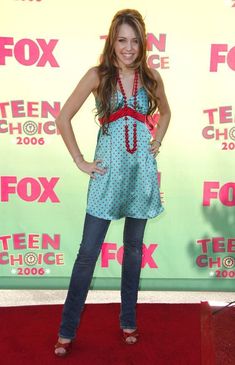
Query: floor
x,y
35,297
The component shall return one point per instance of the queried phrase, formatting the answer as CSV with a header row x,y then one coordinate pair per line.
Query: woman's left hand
x,y
154,149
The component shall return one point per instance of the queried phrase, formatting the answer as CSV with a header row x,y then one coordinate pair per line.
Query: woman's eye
x,y
135,41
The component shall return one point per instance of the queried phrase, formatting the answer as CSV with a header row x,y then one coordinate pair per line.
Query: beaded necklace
x,y
134,93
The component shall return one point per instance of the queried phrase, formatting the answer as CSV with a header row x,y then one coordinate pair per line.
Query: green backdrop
x,y
191,246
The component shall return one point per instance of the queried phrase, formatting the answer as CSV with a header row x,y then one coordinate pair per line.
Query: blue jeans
x,y
94,233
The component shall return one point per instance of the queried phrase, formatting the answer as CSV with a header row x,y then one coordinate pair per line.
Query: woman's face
x,y
126,46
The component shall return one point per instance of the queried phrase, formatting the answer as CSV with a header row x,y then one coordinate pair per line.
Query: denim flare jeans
x,y
94,233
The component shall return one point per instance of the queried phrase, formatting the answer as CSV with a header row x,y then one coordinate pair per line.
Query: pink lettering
x,y
5,52
47,55
204,243
17,107
218,244
15,259
147,256
120,255
226,115
2,123
31,241
221,133
159,43
3,130
17,127
109,252
201,261
3,107
6,188
216,58
49,128
231,245
2,261
33,238
49,258
48,192
231,58
26,47
47,109
28,52
227,194
155,61
19,241
204,261
210,113
214,262
4,240
106,255
50,241
31,109
208,194
29,189
208,132
59,259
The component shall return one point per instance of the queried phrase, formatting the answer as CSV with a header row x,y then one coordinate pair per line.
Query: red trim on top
x,y
127,111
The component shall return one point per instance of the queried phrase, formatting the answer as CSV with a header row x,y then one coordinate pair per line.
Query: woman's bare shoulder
x,y
156,74
92,77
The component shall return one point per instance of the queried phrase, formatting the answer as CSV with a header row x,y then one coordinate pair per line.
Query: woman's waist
x,y
129,112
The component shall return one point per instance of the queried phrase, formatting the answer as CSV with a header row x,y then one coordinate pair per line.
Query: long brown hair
x,y
107,69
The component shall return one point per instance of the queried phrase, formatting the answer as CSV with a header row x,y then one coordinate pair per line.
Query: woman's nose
x,y
128,45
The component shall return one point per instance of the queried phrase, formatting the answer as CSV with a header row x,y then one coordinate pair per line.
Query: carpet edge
x,y
207,342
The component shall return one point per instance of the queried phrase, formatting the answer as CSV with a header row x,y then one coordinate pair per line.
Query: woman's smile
x,y
126,46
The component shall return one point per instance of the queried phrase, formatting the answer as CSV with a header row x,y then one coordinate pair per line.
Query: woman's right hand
x,y
91,167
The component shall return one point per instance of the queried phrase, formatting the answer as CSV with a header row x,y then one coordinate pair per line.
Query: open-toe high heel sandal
x,y
66,346
127,335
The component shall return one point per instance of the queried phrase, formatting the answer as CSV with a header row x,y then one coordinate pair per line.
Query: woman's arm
x,y
164,111
86,85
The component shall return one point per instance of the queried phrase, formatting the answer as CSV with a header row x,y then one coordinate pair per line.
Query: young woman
x,y
123,176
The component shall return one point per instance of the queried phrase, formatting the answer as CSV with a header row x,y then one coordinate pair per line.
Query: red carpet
x,y
207,336
170,334
223,324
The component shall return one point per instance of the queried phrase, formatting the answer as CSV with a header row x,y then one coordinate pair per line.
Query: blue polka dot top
x,y
129,188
